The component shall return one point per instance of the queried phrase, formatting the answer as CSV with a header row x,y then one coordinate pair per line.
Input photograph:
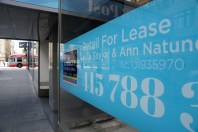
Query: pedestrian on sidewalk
x,y
4,63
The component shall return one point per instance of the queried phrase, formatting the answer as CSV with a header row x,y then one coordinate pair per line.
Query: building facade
x,y
5,48
131,60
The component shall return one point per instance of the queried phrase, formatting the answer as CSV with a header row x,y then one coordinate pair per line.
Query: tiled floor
x,y
20,108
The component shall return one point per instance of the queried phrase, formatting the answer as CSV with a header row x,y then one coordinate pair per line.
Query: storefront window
x,y
132,59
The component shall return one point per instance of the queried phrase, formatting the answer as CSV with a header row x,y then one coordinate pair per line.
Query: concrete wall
x,y
53,72
44,65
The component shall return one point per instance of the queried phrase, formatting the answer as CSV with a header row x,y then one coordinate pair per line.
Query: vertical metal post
x,y
58,58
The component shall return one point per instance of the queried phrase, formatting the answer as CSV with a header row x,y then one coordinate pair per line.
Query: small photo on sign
x,y
70,67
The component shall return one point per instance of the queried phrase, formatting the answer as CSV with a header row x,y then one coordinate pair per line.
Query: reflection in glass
x,y
83,17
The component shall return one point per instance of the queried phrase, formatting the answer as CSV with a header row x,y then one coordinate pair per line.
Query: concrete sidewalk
x,y
20,109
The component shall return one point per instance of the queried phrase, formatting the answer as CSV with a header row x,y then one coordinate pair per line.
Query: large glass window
x,y
35,64
80,19
33,50
133,62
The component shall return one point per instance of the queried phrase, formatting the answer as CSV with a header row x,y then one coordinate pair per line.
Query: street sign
x,y
23,44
